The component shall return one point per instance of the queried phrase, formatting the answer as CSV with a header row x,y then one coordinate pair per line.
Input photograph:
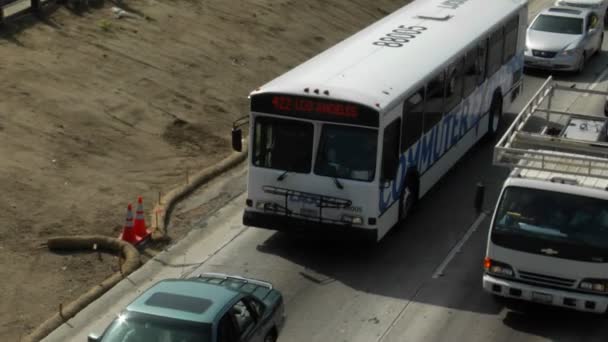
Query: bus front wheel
x,y
409,196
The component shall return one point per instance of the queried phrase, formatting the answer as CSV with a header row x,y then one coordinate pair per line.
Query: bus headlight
x,y
595,285
498,268
352,219
264,205
260,205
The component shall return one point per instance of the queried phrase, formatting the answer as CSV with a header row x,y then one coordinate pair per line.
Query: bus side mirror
x,y
479,192
237,139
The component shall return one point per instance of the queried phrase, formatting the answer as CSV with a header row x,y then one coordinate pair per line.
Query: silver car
x,y
563,38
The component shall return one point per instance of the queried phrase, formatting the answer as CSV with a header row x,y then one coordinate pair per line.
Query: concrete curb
x,y
93,242
162,211
178,260
160,215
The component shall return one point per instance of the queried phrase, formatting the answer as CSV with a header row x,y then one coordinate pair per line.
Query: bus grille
x,y
545,279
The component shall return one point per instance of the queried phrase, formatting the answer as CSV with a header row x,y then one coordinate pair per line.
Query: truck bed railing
x,y
547,149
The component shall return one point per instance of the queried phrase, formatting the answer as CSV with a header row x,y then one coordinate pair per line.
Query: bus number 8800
x,y
399,36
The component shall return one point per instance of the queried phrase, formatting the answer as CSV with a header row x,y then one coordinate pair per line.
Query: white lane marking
x,y
456,249
597,81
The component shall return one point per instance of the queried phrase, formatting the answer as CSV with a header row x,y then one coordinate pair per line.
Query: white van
x,y
600,5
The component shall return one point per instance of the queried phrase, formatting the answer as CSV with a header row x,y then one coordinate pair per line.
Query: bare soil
x,y
96,110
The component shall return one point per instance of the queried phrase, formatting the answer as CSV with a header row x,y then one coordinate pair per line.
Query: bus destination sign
x,y
289,103
314,109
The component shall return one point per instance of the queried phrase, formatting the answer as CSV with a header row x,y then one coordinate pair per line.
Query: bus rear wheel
x,y
495,116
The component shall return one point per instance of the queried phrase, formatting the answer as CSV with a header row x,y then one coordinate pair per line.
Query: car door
x,y
265,322
247,321
227,330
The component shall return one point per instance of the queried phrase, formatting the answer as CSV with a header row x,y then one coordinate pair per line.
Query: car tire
x,y
581,64
495,119
271,336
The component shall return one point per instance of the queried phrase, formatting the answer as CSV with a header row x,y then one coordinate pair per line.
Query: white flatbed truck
x,y
548,240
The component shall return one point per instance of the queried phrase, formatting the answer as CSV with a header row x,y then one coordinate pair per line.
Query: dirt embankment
x,y
95,111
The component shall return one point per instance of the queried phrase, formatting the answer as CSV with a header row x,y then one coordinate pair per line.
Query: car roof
x,y
566,11
184,299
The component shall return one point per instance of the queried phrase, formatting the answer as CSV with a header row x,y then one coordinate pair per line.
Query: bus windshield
x,y
283,144
576,223
347,152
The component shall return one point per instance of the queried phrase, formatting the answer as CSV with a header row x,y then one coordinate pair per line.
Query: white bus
x,y
345,143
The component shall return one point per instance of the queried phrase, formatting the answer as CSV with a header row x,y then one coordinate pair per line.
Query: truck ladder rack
x,y
549,149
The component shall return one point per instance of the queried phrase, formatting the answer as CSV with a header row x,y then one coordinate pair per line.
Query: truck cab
x,y
548,240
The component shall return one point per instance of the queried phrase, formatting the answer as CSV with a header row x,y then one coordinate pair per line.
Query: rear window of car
x,y
558,24
179,302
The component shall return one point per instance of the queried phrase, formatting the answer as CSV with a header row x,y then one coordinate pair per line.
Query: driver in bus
x,y
365,161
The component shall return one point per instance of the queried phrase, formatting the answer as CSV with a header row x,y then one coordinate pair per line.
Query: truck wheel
x,y
495,116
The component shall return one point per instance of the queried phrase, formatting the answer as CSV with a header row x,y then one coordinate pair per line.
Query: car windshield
x,y
136,327
283,144
554,217
558,24
347,152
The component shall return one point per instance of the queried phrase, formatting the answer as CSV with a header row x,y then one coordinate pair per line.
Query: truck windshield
x,y
283,144
347,152
532,219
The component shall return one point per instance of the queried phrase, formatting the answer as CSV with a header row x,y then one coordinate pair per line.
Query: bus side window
x,y
390,151
413,110
495,51
433,102
482,60
453,86
470,72
511,30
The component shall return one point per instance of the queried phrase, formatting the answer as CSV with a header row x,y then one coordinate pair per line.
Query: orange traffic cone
x,y
128,233
140,221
